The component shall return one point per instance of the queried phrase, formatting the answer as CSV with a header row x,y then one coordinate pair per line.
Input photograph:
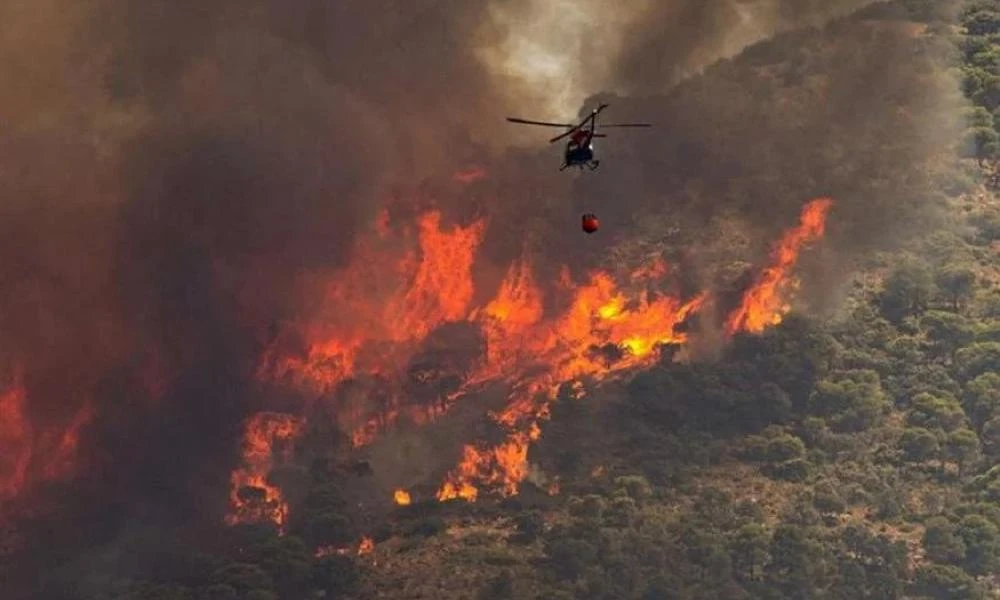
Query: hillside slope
x,y
841,457
846,453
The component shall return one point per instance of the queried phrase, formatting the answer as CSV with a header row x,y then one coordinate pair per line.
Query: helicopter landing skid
x,y
591,165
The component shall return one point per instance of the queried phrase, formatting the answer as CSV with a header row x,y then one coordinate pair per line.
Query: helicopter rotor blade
x,y
591,119
563,134
570,128
542,123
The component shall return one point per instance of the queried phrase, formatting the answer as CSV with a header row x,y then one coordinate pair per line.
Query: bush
x,y
794,470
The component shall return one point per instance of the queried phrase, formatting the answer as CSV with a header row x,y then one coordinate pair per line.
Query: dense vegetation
x,y
981,77
847,458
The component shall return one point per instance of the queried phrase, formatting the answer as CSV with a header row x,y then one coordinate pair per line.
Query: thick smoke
x,y
677,39
171,169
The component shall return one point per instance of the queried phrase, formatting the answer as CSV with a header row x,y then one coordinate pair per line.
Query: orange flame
x,y
565,349
764,303
28,453
363,327
367,546
253,498
401,497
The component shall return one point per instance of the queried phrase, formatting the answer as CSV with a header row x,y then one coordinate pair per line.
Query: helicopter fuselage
x,y
579,156
580,152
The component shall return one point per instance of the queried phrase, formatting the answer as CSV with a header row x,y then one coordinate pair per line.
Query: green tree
x,y
982,398
799,563
990,437
946,331
947,582
882,563
957,283
621,512
907,291
930,412
978,116
982,22
748,548
784,448
849,400
982,544
962,448
942,542
921,377
982,142
976,359
793,470
827,500
715,508
918,444
635,487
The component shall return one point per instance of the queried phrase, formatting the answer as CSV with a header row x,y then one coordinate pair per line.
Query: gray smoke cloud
x,y
169,171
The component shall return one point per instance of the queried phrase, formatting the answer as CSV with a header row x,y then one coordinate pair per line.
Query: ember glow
x,y
401,497
267,442
367,546
404,283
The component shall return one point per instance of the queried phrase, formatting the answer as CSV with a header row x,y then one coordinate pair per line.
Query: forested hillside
x,y
844,457
847,453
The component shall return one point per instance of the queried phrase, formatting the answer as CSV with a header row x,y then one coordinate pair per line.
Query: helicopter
x,y
580,149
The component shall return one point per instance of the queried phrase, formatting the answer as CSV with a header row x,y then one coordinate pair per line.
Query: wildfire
x,y
600,334
30,453
765,304
252,497
365,328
